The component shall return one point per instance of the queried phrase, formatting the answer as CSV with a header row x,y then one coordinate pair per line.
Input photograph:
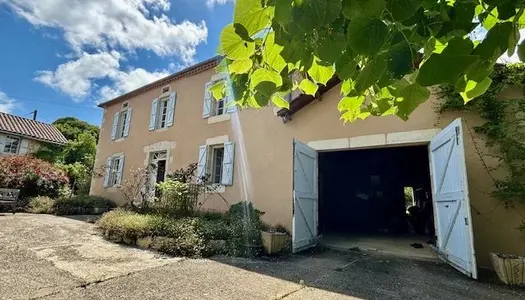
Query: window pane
x,y
220,107
11,144
122,125
218,154
162,114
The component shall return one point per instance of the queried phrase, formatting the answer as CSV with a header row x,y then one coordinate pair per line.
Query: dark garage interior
x,y
376,192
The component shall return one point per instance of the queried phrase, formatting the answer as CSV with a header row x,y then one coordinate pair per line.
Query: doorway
x,y
377,199
450,193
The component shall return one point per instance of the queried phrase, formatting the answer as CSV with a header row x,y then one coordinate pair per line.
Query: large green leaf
x,y
411,96
353,9
217,90
241,66
345,66
367,36
350,107
264,75
401,60
252,15
496,42
283,11
280,102
272,53
309,14
330,46
233,46
442,68
370,74
321,72
402,9
474,89
308,87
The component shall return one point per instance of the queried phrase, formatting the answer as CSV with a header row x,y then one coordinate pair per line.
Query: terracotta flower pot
x,y
510,268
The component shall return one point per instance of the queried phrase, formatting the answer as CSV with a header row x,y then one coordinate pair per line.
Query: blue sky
x,y
61,57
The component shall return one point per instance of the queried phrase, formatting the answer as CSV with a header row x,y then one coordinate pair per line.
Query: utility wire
x,y
25,99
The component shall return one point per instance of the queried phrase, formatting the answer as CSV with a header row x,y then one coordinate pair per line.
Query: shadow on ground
x,y
376,276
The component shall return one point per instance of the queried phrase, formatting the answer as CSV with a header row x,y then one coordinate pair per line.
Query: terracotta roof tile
x,y
31,129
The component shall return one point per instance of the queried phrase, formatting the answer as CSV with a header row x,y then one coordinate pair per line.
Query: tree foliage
x,y
386,52
77,157
72,128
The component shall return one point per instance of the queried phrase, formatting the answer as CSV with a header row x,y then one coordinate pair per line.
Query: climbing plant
x,y
386,52
504,128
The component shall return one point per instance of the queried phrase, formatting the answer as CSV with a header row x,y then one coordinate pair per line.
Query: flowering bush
x,y
33,176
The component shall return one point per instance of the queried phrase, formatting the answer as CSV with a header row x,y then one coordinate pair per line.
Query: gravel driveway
x,y
49,257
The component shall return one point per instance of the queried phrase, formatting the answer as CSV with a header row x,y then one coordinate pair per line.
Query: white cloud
x,y
124,82
113,24
212,3
7,104
75,77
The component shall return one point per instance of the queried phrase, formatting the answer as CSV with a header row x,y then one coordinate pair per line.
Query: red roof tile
x,y
31,129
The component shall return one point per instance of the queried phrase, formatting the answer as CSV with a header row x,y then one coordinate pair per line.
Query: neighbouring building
x,y
20,135
323,180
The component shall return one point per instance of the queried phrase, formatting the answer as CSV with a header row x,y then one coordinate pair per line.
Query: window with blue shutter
x,y
153,114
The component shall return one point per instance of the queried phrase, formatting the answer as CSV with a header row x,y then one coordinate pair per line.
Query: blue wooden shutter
x,y
201,165
171,109
227,163
107,171
128,121
115,124
153,114
206,109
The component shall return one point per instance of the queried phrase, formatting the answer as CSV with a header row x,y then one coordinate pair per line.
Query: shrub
x,y
82,204
132,224
33,176
177,198
41,205
172,236
213,229
244,230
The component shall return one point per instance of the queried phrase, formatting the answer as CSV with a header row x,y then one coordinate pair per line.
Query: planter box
x,y
510,268
274,242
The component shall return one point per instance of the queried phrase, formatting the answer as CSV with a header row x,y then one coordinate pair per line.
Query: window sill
x,y
160,129
217,119
215,188
119,140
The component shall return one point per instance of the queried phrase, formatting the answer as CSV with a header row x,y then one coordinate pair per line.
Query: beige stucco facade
x,y
263,152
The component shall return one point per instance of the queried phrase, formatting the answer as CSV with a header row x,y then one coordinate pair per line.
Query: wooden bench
x,y
9,197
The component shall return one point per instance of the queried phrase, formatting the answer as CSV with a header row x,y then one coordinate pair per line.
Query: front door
x,y
305,199
452,216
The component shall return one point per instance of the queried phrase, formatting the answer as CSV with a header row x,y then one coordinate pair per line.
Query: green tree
x,y
72,127
386,52
77,157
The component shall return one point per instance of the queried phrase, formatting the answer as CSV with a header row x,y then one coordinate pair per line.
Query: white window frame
x,y
121,126
218,107
9,140
212,168
116,161
163,103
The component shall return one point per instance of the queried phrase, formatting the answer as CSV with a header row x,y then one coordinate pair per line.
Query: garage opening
x,y
377,199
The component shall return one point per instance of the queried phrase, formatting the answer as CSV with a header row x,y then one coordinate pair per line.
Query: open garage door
x,y
305,199
452,216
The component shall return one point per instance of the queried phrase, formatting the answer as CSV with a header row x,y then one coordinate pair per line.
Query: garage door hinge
x,y
457,135
466,222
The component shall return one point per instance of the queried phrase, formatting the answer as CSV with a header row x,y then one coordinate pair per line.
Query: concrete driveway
x,y
49,257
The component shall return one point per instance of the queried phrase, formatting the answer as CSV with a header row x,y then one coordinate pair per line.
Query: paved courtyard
x,y
49,257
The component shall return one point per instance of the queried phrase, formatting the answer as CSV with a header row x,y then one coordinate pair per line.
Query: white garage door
x,y
452,217
305,200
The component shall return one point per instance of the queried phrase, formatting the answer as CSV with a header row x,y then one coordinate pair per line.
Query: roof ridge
x,y
28,119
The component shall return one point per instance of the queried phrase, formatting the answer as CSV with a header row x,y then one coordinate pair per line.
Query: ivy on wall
x,y
504,130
